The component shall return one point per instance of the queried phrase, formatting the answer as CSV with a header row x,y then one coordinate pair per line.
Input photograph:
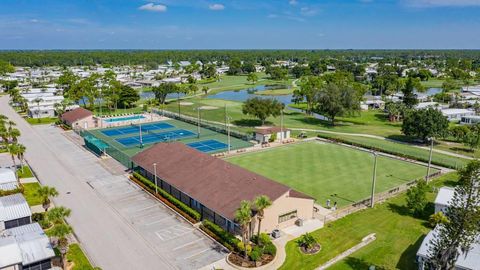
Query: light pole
x,y
228,133
198,122
372,198
281,125
140,131
155,176
429,159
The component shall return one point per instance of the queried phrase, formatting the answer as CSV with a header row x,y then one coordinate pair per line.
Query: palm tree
x,y
45,193
261,202
60,232
14,134
38,100
13,151
243,216
57,215
20,154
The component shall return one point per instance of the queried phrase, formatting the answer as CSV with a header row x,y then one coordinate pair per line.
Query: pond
x,y
244,94
150,95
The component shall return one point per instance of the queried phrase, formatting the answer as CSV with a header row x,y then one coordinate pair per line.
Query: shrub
x,y
241,247
177,203
38,217
270,248
264,240
256,254
437,218
225,238
307,241
417,198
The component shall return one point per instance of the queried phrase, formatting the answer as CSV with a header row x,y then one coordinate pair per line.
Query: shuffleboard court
x,y
151,137
208,146
135,129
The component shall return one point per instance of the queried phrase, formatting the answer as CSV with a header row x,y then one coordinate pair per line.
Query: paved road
x,y
108,237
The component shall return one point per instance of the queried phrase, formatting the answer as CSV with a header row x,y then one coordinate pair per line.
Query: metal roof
x,y
8,180
444,196
11,254
32,241
13,207
470,260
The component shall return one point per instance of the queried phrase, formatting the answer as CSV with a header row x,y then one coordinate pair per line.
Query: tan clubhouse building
x,y
215,187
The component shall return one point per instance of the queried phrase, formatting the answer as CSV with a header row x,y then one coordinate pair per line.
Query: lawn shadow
x,y
408,258
399,209
361,264
250,123
462,149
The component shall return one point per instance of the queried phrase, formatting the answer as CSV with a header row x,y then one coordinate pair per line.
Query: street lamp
x,y
372,198
155,176
140,133
198,122
430,158
228,133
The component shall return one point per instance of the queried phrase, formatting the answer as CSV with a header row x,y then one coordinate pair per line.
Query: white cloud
x,y
153,7
441,3
306,11
293,2
216,7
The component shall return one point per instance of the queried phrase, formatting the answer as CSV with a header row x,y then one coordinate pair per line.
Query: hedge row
x,y
173,202
225,238
448,161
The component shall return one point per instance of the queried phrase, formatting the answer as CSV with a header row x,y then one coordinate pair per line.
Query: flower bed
x,y
216,232
260,252
187,212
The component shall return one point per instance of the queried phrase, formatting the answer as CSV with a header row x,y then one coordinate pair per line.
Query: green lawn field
x,y
328,171
398,233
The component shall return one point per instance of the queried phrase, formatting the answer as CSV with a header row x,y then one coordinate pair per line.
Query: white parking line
x,y
145,208
198,253
157,221
188,244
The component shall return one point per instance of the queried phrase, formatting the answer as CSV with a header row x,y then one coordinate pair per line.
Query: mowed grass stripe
x,y
322,170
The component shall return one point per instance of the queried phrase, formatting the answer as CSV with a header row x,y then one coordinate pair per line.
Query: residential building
x,y
8,180
470,120
456,114
25,248
264,134
79,118
14,211
445,194
215,187
467,260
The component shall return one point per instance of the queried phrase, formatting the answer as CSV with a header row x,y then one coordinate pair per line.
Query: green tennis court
x,y
124,142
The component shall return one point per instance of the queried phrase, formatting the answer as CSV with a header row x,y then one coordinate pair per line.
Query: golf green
x,y
329,171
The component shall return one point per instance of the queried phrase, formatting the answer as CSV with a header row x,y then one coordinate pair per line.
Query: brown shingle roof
x,y
213,182
75,115
269,130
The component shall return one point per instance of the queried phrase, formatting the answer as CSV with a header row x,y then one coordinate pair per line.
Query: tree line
x,y
36,58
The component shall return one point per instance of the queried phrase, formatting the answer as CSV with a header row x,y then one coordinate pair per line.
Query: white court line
x,y
187,244
198,253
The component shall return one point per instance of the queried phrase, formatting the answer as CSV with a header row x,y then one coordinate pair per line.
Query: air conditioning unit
x,y
299,222
276,233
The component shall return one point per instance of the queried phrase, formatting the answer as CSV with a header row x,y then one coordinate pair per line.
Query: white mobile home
x,y
14,211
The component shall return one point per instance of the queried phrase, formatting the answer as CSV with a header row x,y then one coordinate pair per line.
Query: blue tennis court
x,y
208,146
150,137
135,129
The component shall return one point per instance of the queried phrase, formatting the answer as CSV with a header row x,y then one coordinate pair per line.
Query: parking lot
x,y
172,237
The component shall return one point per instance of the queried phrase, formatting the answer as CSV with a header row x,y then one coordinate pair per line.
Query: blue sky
x,y
239,24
